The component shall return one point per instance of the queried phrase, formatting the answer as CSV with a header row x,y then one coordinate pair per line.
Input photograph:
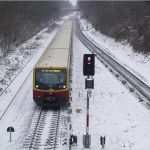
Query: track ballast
x,y
46,131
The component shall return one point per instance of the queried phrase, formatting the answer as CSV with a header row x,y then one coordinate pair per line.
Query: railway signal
x,y
89,71
89,64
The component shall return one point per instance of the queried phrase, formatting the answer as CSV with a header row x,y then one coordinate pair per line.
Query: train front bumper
x,y
51,99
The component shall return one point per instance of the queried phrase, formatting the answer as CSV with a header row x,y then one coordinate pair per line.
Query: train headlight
x,y
64,86
37,86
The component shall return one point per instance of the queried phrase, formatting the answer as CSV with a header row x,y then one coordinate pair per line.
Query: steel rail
x,y
53,136
35,132
134,81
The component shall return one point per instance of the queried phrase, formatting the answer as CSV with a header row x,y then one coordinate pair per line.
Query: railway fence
x,y
141,89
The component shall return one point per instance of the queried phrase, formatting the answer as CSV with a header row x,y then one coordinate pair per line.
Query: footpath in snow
x,y
121,51
114,111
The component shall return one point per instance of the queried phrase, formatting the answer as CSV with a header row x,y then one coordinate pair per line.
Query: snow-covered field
x,y
114,111
139,64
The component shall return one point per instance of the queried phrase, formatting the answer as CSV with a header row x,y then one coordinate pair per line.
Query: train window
x,y
50,79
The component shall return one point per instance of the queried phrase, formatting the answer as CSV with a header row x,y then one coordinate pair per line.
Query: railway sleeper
x,y
54,126
34,147
36,140
37,136
40,130
52,130
51,141
53,134
37,143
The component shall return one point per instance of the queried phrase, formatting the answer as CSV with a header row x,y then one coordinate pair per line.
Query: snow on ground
x,y
17,60
19,117
121,51
11,91
22,106
114,111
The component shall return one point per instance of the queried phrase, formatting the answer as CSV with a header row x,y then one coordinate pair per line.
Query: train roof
x,y
62,39
57,53
54,58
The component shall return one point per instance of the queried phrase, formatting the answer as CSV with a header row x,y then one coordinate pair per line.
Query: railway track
x,y
44,130
140,89
48,131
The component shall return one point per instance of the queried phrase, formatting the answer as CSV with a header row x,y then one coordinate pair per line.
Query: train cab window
x,y
50,79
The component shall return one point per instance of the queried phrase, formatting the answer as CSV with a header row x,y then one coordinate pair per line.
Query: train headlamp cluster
x,y
61,86
50,70
37,86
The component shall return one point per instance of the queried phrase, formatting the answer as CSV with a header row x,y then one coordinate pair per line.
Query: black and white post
x,y
10,130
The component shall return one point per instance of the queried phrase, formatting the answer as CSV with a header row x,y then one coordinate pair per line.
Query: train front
x,y
50,87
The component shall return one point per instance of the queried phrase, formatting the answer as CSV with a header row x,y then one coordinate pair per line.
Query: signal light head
x,y
89,64
89,60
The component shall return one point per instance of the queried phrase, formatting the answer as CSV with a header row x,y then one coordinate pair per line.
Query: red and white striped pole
x,y
87,114
87,137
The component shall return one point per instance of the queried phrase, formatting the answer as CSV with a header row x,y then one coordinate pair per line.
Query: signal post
x,y
88,71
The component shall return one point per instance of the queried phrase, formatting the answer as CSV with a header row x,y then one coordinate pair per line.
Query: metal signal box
x,y
89,64
89,83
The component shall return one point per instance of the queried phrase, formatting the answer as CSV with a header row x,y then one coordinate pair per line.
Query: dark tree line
x,y
122,20
21,20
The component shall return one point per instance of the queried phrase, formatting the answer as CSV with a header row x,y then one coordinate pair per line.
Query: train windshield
x,y
46,79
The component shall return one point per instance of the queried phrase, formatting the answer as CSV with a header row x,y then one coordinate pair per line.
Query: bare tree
x,y
121,20
20,20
